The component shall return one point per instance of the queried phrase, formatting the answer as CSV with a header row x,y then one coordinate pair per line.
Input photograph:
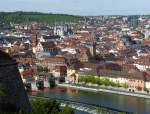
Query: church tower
x,y
34,39
93,44
92,48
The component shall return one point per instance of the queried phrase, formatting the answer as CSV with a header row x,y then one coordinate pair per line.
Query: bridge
x,y
87,107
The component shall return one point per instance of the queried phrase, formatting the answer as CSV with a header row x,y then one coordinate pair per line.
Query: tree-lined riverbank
x,y
115,101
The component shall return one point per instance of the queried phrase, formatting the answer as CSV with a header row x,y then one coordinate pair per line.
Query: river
x,y
120,102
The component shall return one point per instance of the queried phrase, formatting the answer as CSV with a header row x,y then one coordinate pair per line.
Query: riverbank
x,y
107,90
106,99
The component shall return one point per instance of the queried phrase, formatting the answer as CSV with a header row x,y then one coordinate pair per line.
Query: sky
x,y
79,7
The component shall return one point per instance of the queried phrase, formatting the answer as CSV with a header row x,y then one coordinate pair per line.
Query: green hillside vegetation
x,y
26,17
41,106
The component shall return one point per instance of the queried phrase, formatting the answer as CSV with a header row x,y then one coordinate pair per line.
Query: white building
x,y
142,67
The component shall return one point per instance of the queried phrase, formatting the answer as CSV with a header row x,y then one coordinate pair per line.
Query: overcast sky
x,y
79,7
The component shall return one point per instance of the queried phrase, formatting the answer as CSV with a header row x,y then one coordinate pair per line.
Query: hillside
x,y
25,17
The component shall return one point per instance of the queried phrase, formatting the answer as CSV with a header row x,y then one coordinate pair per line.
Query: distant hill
x,y
25,17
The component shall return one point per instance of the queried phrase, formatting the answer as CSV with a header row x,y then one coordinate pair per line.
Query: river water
x,y
120,102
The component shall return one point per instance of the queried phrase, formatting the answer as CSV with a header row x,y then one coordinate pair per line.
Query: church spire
x,y
34,36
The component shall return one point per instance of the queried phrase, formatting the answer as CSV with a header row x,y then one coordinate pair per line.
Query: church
x,y
43,49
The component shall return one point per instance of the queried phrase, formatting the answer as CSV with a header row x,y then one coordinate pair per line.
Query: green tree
x,y
40,106
99,81
48,106
1,91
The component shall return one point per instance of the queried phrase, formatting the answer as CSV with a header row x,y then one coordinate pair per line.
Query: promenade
x,y
113,90
107,89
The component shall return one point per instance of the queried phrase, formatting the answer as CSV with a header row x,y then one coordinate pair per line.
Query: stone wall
x,y
14,93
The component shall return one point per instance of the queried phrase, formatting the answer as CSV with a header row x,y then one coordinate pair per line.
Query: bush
x,y
40,106
48,106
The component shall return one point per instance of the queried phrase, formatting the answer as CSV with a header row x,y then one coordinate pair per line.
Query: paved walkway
x,y
106,89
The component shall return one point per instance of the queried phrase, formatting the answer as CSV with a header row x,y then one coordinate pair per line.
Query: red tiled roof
x,y
54,59
47,45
